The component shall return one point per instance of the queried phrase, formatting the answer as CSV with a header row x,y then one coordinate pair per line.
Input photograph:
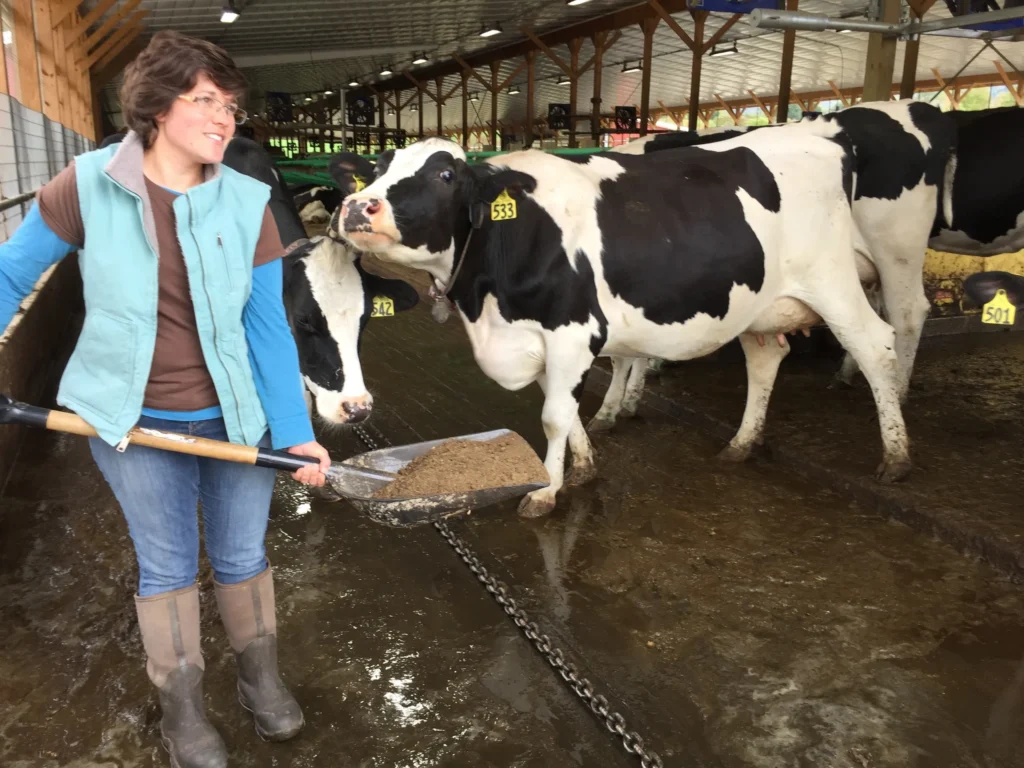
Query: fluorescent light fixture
x,y
626,68
353,83
576,2
514,90
420,59
716,51
386,71
308,98
490,31
228,14
474,97
328,91
391,111
563,81
414,108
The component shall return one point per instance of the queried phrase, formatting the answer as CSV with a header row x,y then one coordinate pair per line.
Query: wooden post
x,y
699,17
398,110
909,80
881,58
381,117
531,70
420,109
465,110
25,43
786,76
495,66
648,26
574,65
47,61
439,84
599,40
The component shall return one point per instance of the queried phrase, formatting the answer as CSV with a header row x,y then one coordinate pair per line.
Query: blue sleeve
x,y
275,360
30,251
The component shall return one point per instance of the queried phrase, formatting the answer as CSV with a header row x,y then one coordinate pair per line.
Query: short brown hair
x,y
168,67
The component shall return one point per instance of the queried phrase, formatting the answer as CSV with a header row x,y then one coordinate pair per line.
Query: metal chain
x,y
581,686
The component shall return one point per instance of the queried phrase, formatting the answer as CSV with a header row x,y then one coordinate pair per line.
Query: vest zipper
x,y
216,346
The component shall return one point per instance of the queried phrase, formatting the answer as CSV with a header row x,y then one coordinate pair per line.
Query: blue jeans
x,y
158,492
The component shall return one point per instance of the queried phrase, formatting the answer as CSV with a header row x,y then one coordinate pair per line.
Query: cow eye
x,y
447,176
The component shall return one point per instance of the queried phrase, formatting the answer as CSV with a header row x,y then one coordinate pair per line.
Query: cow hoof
x,y
533,508
597,425
734,455
628,412
838,382
893,470
582,474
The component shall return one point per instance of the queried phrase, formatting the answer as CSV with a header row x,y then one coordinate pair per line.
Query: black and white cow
x,y
315,202
328,296
669,256
903,156
982,287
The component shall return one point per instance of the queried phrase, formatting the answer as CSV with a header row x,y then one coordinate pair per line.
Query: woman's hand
x,y
312,474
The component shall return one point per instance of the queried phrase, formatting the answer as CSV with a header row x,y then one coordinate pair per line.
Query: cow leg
x,y
847,374
634,387
906,308
604,419
583,467
762,368
562,383
872,342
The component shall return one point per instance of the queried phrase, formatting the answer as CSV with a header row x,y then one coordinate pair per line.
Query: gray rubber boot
x,y
169,623
249,615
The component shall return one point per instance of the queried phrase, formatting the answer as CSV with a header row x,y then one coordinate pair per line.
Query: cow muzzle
x,y
367,221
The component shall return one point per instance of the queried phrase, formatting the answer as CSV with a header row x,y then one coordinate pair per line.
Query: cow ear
x,y
982,287
350,172
516,183
400,292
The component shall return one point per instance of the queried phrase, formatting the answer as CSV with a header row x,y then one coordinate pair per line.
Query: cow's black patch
x,y
678,139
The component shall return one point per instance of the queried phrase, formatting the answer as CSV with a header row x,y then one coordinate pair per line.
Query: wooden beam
x,y
600,43
1018,92
124,35
47,61
495,66
60,11
465,109
25,43
881,56
681,33
699,17
3,66
419,86
786,74
720,33
734,114
439,101
764,107
618,19
471,71
547,51
62,64
94,15
531,71
839,94
505,83
109,24
648,26
952,95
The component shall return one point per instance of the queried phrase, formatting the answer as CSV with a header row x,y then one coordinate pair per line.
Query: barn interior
x,y
785,611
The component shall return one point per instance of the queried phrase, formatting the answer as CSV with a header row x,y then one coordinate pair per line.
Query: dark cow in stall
x,y
328,296
315,202
982,287
669,256
902,155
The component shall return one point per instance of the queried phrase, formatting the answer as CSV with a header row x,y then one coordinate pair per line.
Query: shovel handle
x,y
13,412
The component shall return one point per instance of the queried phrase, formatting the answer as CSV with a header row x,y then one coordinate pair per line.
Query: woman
x,y
184,331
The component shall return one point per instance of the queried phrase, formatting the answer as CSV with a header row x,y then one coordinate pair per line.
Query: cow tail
x,y
947,189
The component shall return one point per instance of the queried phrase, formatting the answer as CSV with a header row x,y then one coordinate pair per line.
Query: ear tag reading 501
x,y
383,306
503,208
999,311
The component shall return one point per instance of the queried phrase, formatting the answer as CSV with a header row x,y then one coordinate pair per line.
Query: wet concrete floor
x,y
734,615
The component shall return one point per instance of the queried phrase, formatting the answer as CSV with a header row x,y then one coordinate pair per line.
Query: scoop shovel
x,y
356,479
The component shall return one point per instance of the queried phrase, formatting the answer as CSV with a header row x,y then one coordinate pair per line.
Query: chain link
x,y
598,703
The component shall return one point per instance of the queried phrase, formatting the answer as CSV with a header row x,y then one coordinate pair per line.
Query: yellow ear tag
x,y
360,184
383,306
503,208
999,311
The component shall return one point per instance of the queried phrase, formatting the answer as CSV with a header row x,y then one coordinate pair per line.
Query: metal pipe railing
x,y
10,202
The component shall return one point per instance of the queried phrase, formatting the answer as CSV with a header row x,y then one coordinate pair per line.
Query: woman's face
x,y
197,124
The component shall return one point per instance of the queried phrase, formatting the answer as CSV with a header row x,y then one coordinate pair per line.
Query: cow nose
x,y
373,207
356,412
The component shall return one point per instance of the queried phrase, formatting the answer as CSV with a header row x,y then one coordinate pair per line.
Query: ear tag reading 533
x,y
999,311
383,306
503,208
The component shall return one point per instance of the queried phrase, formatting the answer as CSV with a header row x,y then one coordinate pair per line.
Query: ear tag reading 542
x,y
503,208
999,311
383,306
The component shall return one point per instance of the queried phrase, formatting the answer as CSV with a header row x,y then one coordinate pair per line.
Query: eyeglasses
x,y
210,106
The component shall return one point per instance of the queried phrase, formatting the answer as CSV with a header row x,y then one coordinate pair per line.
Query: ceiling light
x,y
386,71
353,83
843,31
513,90
490,31
563,81
715,51
328,91
228,14
414,108
308,98
421,59
391,111
626,68
576,2
474,97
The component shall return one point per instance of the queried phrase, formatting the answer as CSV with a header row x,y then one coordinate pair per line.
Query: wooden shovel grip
x,y
61,421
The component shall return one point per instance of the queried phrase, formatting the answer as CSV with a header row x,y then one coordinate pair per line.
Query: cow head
x,y
982,287
421,202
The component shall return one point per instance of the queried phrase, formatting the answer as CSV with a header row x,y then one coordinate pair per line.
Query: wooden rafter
x,y
672,24
839,94
546,50
94,15
952,93
735,114
1016,91
419,86
713,40
112,21
472,71
133,33
769,111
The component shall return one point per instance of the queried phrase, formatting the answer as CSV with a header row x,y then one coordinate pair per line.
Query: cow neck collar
x,y
476,217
